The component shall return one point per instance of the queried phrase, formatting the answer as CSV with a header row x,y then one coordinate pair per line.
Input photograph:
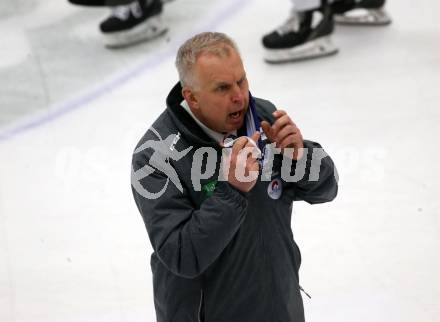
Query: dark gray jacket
x,y
219,255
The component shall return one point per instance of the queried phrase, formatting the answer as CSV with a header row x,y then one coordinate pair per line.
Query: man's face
x,y
220,97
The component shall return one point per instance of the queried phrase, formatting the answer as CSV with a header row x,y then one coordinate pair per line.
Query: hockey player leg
x,y
304,35
363,13
139,21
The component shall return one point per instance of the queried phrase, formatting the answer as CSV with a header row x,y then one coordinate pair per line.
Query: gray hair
x,y
215,43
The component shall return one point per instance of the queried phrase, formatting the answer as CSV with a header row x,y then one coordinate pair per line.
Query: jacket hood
x,y
185,122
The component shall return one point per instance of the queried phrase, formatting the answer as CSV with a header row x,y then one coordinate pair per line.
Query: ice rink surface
x,y
73,246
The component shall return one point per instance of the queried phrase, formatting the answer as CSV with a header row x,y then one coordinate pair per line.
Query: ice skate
x,y
363,12
133,23
304,35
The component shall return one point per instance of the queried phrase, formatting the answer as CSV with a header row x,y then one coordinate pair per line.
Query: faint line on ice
x,y
58,111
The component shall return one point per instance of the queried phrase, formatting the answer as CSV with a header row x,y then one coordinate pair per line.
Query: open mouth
x,y
236,115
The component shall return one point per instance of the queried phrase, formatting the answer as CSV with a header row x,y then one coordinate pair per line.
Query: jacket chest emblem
x,y
275,189
208,188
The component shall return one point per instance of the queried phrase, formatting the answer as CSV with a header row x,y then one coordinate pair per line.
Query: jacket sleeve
x,y
319,183
185,238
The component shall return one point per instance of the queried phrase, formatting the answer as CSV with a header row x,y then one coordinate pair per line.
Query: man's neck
x,y
217,136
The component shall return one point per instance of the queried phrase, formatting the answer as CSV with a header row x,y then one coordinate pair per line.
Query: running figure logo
x,y
164,150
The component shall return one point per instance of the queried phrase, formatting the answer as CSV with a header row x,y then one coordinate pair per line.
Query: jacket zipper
x,y
200,306
302,290
266,269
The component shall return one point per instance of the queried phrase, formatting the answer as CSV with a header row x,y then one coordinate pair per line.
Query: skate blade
x,y
319,47
147,30
364,17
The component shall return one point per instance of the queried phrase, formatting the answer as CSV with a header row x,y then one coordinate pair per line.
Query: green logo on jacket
x,y
208,188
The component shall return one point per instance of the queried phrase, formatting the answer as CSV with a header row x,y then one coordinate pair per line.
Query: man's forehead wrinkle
x,y
216,79
223,81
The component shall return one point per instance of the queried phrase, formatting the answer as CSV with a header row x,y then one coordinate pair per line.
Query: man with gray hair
x,y
223,245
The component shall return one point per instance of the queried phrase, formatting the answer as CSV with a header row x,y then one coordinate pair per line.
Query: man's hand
x,y
285,134
243,164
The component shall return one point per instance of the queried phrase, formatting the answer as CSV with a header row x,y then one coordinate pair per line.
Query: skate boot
x,y
304,35
361,12
133,23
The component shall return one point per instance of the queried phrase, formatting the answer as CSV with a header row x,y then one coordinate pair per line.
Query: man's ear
x,y
189,96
